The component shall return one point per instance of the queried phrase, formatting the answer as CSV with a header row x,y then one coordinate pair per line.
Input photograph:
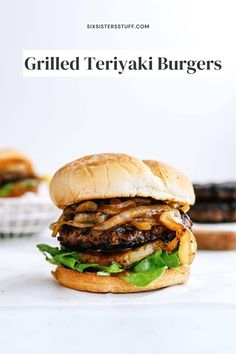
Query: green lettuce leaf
x,y
6,189
144,278
152,268
140,274
171,260
70,260
29,183
158,259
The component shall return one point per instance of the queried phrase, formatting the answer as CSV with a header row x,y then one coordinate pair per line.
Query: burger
x,y
16,174
214,215
123,227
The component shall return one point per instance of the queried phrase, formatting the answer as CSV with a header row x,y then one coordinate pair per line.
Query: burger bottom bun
x,y
92,282
217,240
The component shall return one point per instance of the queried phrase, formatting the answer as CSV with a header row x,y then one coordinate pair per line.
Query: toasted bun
x,y
118,175
114,284
13,160
174,180
217,240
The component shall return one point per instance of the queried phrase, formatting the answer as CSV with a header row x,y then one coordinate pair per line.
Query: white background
x,y
187,121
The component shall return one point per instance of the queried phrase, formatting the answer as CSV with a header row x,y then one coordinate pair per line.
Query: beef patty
x,y
214,212
14,176
215,191
118,239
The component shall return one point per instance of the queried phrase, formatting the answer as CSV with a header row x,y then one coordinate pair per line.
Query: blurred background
x,y
187,121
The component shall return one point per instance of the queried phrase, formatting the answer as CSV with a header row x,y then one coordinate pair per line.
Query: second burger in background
x,y
123,227
16,174
214,215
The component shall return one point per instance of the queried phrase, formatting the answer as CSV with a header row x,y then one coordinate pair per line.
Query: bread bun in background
x,y
14,160
215,239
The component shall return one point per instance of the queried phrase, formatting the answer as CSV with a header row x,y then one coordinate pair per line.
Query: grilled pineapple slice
x,y
187,247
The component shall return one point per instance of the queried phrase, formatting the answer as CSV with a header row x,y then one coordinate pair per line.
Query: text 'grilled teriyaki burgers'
x,y
123,227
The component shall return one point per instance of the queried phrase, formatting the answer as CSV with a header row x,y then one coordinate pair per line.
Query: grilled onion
x,y
142,201
185,208
86,206
144,223
130,214
91,218
56,226
172,220
113,209
172,245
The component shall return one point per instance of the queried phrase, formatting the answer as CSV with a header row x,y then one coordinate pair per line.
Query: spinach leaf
x,y
70,260
141,273
6,189
156,260
144,278
151,268
171,260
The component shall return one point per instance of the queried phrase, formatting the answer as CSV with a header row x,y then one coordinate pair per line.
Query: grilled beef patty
x,y
215,191
14,176
215,202
118,239
214,212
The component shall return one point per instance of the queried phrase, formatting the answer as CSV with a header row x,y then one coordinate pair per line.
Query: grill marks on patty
x,y
118,239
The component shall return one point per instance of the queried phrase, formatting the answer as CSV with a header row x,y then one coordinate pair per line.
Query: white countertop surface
x,y
39,316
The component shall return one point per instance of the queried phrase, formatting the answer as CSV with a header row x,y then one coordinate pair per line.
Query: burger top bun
x,y
118,175
13,160
173,180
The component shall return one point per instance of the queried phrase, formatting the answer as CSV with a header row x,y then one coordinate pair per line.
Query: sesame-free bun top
x,y
118,175
13,160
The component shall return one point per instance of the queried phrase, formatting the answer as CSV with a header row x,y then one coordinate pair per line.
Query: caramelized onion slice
x,y
142,201
185,208
172,245
56,226
172,220
82,217
187,243
113,209
144,223
86,206
81,225
130,214
93,218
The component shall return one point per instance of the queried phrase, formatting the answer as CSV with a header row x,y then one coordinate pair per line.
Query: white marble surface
x,y
37,315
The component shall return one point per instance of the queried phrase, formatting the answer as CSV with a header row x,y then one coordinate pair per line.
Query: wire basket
x,y
26,215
